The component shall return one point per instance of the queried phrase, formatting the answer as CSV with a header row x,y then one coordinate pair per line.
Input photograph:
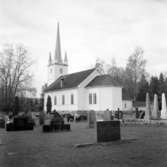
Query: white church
x,y
85,90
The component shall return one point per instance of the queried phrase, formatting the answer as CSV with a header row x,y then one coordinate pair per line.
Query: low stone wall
x,y
141,122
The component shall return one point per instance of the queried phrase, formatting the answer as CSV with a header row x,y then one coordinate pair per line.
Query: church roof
x,y
103,80
69,80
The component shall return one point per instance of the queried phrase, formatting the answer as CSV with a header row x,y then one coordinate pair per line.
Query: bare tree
x,y
135,68
14,73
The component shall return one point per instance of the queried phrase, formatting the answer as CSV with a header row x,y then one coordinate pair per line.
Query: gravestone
x,y
108,131
147,116
107,115
92,118
155,112
163,108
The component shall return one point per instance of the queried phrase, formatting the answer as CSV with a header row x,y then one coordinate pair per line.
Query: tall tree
x,y
143,87
135,68
162,86
117,73
154,86
15,74
49,104
16,106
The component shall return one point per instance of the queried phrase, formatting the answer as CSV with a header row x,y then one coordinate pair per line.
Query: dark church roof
x,y
69,80
103,80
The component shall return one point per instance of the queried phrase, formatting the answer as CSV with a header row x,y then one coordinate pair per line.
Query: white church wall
x,y
93,106
67,106
117,98
82,92
107,98
127,105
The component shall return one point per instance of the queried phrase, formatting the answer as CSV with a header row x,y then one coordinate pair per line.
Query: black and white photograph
x,y
83,83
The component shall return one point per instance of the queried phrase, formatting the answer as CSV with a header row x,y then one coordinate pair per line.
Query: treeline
x,y
135,79
15,75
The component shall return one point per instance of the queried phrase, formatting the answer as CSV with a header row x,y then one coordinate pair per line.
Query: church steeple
x,y
58,57
65,59
50,59
57,66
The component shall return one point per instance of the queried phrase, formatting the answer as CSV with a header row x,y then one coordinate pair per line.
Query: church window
x,y
61,70
63,99
90,98
94,98
55,100
72,99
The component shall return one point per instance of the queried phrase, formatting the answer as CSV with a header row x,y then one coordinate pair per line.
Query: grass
x,y
140,146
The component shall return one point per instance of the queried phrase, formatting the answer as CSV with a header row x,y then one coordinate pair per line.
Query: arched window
x,y
72,99
55,100
63,99
90,98
94,98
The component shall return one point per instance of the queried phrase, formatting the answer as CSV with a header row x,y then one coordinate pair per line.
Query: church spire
x,y
65,59
58,57
50,59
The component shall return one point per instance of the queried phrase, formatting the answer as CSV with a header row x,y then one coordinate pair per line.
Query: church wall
x,y
127,105
117,98
67,105
93,106
82,91
107,98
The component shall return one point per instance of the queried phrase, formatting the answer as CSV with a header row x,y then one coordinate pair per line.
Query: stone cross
x,y
148,108
163,108
92,118
155,111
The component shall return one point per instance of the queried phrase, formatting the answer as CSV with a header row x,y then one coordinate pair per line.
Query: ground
x,y
140,146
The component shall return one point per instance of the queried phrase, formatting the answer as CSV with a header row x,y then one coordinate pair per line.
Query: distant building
x,y
85,90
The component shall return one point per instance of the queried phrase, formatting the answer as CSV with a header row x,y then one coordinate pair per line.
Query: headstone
x,y
108,131
147,116
163,108
155,112
92,118
107,115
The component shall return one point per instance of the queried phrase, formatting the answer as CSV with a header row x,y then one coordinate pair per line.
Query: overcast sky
x,y
89,29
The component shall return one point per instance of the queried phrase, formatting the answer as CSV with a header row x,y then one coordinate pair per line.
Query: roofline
x,y
93,69
58,90
103,86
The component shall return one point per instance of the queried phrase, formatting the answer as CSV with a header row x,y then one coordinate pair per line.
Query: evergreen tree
x,y
162,86
49,104
143,87
16,106
154,89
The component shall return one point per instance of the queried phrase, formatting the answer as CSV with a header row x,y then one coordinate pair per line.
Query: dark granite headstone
x,y
108,131
92,119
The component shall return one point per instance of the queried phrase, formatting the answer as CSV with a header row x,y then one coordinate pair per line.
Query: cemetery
x,y
103,138
55,122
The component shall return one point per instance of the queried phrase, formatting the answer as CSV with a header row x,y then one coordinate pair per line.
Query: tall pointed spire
x,y
65,59
50,59
58,57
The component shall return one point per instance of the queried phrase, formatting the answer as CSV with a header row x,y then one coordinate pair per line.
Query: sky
x,y
89,29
